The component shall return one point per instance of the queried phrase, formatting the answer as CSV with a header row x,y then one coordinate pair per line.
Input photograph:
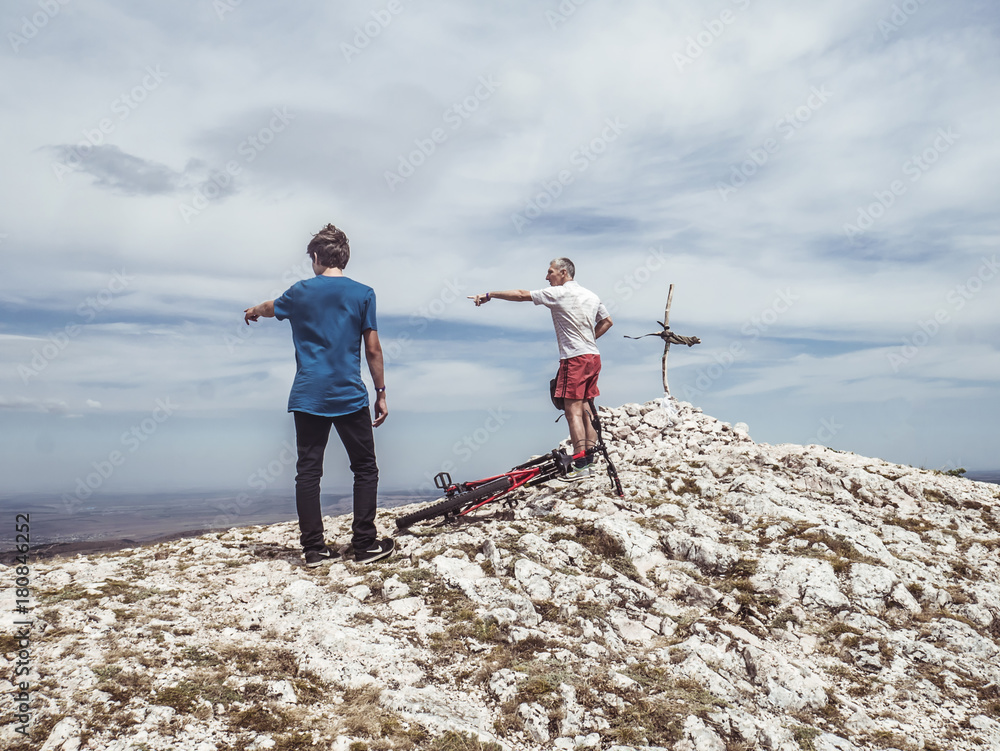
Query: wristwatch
x,y
379,391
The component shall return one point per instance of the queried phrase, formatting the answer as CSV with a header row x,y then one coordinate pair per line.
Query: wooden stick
x,y
666,344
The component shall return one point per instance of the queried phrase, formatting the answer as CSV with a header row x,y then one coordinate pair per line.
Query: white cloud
x,y
839,107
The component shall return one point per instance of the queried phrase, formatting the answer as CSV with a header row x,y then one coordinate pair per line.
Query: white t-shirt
x,y
575,312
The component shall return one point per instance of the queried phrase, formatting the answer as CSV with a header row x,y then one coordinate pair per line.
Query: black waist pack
x,y
558,401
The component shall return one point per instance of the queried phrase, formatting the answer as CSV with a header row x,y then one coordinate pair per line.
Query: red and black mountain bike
x,y
464,498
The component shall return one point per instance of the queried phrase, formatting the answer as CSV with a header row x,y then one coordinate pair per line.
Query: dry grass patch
x,y
804,736
200,657
888,739
592,610
964,570
689,487
262,719
414,575
186,696
294,742
841,553
990,697
72,592
123,685
273,663
362,715
603,546
785,617
129,593
8,644
654,708
912,525
40,729
453,741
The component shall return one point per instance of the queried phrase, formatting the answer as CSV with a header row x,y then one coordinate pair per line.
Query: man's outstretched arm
x,y
513,295
373,354
265,309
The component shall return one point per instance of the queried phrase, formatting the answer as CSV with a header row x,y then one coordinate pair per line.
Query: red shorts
x,y
577,377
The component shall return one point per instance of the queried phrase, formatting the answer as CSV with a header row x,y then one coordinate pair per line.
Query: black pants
x,y
311,435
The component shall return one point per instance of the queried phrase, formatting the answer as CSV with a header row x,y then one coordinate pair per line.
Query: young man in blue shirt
x,y
331,317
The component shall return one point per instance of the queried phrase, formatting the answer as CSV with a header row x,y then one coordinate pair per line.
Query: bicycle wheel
x,y
456,503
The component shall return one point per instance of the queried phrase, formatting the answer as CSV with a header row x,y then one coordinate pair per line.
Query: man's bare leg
x,y
581,428
588,418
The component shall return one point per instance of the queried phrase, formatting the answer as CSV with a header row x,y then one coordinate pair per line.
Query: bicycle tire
x,y
456,502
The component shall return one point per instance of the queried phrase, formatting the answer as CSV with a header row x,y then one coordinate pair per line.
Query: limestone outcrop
x,y
741,596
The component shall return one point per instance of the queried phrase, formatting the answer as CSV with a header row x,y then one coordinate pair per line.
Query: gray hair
x,y
564,263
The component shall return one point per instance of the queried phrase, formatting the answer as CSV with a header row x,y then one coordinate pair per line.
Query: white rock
x,y
407,606
701,737
657,418
984,723
284,691
493,556
635,541
220,593
830,742
631,631
811,580
901,596
860,723
302,591
790,687
491,594
159,715
361,592
63,735
534,578
704,597
706,554
503,685
457,571
104,618
440,710
394,589
536,721
871,585
503,616
572,722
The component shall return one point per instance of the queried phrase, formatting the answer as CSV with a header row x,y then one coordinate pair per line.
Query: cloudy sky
x,y
818,180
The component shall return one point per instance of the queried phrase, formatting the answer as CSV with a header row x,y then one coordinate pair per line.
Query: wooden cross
x,y
669,337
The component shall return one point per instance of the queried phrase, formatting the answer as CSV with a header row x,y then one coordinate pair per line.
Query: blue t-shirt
x,y
328,315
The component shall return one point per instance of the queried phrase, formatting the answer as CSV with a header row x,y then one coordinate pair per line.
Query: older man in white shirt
x,y
580,319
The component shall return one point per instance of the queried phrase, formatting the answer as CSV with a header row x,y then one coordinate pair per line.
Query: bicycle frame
x,y
464,498
529,474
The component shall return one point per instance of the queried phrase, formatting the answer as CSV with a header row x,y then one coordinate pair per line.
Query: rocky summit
x,y
741,596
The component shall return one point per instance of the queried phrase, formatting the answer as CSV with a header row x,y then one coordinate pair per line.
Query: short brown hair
x,y
329,247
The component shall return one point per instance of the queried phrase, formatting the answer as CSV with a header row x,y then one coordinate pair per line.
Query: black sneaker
x,y
376,552
316,558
